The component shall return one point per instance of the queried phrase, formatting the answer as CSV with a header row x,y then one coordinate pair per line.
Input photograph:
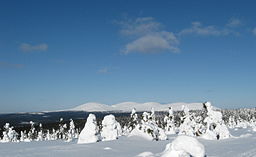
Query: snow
x,y
130,147
127,106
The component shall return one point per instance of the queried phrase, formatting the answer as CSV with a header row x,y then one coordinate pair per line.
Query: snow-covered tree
x,y
169,124
48,136
54,135
134,120
215,126
5,137
231,122
188,123
40,135
152,115
9,134
62,127
148,128
110,128
22,136
13,135
72,128
5,133
90,132
71,132
32,131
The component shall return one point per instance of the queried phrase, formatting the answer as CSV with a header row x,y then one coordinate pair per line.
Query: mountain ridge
x,y
128,106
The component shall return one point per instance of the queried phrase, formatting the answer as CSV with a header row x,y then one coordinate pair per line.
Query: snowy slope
x,y
93,107
128,106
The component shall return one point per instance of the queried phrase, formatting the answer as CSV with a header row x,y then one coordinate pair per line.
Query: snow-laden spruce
x,y
134,120
72,131
90,132
111,129
215,126
169,122
148,129
188,123
184,146
9,134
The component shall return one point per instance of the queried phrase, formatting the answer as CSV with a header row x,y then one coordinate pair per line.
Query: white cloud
x,y
254,31
234,22
153,43
147,36
199,29
25,47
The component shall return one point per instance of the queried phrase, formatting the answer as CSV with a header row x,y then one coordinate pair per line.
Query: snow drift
x,y
184,146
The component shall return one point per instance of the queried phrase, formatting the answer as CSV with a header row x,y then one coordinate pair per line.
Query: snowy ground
x,y
243,144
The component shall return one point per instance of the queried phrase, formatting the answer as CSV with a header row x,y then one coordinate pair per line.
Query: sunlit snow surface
x,y
243,144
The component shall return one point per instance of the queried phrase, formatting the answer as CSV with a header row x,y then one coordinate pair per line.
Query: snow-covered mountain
x,y
128,106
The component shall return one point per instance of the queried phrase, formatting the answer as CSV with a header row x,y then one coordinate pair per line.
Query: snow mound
x,y
107,148
140,133
145,154
127,106
184,146
89,134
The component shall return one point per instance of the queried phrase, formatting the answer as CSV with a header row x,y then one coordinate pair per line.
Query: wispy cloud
x,y
10,65
25,47
254,31
146,35
58,61
234,22
103,70
198,29
106,69
139,26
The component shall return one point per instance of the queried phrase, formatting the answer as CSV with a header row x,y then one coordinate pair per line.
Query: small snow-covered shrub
x,y
184,146
89,134
5,137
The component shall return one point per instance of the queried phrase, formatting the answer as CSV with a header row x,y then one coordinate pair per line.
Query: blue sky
x,y
60,54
